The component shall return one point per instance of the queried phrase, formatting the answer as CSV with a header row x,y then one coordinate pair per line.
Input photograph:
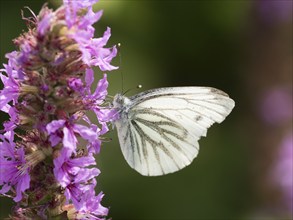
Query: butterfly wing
x,y
159,131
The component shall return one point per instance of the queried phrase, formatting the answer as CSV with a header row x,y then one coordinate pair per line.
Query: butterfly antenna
x,y
137,87
120,66
122,76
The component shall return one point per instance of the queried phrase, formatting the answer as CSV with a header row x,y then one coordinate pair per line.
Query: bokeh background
x,y
244,168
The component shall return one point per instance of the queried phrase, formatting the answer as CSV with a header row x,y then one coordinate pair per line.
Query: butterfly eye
x,y
118,100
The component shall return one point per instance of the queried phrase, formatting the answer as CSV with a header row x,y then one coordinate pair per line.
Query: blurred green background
x,y
241,47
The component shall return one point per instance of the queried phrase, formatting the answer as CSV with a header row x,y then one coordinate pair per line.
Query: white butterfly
x,y
159,129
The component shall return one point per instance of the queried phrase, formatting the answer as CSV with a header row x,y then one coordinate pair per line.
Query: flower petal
x,y
89,77
69,139
85,132
55,125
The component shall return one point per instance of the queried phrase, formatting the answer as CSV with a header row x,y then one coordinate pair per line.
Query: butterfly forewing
x,y
159,130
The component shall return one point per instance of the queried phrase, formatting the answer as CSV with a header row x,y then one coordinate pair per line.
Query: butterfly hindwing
x,y
159,130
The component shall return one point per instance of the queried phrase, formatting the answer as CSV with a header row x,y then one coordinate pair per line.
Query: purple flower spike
x,y
47,95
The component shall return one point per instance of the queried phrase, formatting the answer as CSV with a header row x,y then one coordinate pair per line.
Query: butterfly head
x,y
120,101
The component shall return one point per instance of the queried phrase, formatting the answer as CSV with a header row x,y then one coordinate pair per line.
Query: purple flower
x,y
94,100
102,56
14,172
72,8
272,10
283,171
276,106
25,56
66,167
82,31
80,185
94,147
92,205
68,134
76,84
14,120
44,23
11,88
13,62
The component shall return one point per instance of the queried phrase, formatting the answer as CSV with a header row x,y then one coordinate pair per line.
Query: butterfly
x,y
159,129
